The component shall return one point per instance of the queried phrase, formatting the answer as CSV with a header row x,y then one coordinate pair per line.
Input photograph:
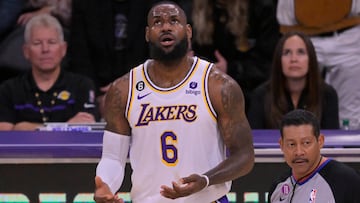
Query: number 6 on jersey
x,y
168,148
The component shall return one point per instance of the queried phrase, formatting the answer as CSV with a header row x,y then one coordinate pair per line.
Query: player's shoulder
x,y
121,84
219,79
117,94
122,79
224,91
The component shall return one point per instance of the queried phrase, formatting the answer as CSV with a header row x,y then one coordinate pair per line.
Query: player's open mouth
x,y
167,40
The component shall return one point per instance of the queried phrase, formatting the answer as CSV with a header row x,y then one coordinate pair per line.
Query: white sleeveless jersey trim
x,y
174,133
155,88
179,85
206,92
130,93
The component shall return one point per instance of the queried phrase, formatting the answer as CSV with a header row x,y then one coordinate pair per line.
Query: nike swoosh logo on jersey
x,y
142,96
282,199
87,106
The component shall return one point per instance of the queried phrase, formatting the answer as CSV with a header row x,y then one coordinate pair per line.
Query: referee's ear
x,y
321,140
281,143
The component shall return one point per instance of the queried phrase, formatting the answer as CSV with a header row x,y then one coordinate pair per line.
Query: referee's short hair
x,y
299,117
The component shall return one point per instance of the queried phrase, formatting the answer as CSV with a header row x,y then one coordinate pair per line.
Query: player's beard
x,y
179,51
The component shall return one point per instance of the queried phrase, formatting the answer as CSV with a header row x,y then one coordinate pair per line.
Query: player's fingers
x,y
117,199
168,192
182,190
189,179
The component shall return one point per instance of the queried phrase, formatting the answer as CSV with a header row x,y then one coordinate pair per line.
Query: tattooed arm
x,y
228,101
116,142
115,104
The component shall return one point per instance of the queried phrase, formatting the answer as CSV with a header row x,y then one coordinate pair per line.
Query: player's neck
x,y
169,74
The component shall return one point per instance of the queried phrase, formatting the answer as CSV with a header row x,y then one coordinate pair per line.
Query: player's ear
x,y
189,31
147,34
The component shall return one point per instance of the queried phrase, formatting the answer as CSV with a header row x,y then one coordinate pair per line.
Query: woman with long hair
x,y
295,83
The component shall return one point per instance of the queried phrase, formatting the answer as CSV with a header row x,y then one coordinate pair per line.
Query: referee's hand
x,y
103,194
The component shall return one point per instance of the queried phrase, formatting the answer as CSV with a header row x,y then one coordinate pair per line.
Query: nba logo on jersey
x,y
312,196
285,189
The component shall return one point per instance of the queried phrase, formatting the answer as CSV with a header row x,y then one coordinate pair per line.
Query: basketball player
x,y
177,116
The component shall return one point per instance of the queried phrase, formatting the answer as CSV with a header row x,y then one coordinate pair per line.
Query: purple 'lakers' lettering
x,y
159,113
181,111
171,112
163,113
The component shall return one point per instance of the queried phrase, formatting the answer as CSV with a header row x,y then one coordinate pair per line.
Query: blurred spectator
x,y
295,83
11,62
239,36
47,93
107,39
9,12
61,9
334,27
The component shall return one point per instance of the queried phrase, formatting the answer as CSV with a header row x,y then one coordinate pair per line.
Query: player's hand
x,y
184,187
103,194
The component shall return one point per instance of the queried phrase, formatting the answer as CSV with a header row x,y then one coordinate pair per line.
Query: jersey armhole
x,y
206,91
130,94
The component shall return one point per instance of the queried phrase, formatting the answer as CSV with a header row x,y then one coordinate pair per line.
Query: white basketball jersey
x,y
174,134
